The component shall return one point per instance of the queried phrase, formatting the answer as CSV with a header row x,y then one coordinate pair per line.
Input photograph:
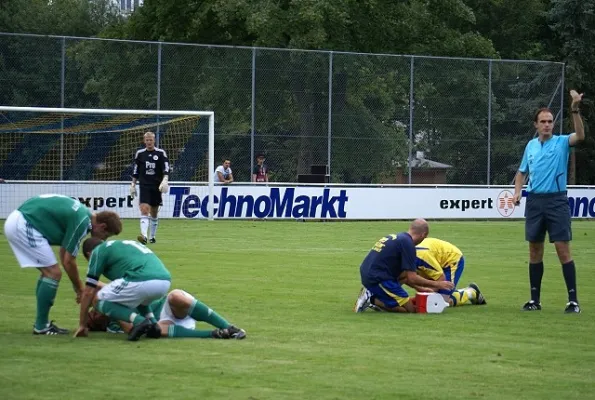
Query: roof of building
x,y
426,163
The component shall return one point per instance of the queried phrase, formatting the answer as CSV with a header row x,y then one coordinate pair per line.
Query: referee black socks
x,y
569,272
535,275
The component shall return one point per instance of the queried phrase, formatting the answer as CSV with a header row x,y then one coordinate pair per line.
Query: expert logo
x,y
505,203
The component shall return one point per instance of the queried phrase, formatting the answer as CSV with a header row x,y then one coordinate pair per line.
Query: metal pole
x,y
562,99
410,119
159,48
62,85
252,112
489,121
330,113
211,203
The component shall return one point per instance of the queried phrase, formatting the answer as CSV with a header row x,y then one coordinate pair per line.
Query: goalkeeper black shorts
x,y
150,194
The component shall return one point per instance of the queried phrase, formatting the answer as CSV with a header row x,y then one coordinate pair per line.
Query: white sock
x,y
154,224
144,225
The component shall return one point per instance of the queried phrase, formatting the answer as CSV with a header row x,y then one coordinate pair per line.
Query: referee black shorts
x,y
547,212
151,195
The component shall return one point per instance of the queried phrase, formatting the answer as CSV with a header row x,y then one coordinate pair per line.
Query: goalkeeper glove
x,y
132,190
164,187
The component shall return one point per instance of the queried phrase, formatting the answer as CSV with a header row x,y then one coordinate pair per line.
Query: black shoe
x,y
230,332
154,331
572,308
138,330
152,240
142,239
531,306
51,330
479,300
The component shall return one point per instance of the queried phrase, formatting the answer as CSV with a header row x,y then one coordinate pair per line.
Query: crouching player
x,y
439,260
177,314
390,263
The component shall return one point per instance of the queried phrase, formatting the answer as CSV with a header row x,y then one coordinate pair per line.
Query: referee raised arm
x,y
151,170
546,161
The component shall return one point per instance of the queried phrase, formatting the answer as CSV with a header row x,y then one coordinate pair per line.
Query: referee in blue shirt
x,y
546,161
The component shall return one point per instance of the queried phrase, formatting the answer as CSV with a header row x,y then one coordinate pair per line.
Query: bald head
x,y
419,230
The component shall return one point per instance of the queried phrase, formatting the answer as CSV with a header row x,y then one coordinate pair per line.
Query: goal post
x,y
82,144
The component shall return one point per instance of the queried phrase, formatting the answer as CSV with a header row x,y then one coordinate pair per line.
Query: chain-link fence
x,y
369,118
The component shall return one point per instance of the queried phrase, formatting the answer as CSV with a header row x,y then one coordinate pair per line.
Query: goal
x,y
70,145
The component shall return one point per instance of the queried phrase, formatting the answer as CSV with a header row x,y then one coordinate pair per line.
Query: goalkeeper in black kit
x,y
151,171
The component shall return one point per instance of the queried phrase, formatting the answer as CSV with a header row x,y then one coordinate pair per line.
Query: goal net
x,y
98,145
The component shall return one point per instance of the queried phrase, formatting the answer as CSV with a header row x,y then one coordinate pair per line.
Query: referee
x,y
546,161
151,169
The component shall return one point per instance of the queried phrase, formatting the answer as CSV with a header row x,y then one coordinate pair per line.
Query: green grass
x,y
292,287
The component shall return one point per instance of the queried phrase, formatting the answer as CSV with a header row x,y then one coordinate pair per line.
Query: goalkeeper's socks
x,y
119,312
179,331
46,293
154,225
460,297
569,271
201,312
535,275
144,225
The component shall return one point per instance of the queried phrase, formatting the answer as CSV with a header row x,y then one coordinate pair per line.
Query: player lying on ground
x,y
177,314
137,276
388,265
439,260
49,220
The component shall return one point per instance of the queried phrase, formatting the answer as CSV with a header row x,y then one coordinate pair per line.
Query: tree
x,y
572,22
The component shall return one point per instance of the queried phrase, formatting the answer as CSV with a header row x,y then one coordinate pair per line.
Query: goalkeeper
x,y
151,170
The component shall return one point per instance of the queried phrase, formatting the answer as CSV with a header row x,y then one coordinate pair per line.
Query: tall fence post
x,y
562,99
253,111
159,49
411,106
488,180
330,112
62,86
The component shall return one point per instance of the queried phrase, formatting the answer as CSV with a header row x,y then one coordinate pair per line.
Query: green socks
x,y
119,312
201,312
175,331
46,293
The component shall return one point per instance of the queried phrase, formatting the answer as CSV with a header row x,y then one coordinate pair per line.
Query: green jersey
x,y
62,220
125,259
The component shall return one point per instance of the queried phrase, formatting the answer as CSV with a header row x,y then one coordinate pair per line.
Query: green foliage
x,y
58,17
573,24
517,28
370,102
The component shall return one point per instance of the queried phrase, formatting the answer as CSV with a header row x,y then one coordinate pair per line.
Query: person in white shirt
x,y
223,173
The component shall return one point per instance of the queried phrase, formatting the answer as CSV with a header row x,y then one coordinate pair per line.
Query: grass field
x,y
292,286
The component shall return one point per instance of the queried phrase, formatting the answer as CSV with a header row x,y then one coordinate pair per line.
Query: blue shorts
x,y
391,293
453,273
547,212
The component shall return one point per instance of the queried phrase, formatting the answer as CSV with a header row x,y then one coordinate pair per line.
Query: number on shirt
x,y
140,247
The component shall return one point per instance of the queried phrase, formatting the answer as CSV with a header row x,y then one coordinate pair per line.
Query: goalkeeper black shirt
x,y
150,166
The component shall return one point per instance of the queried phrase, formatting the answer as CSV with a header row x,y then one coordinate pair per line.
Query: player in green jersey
x,y
54,220
137,278
177,314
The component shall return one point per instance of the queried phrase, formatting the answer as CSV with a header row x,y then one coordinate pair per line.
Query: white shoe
x,y
363,300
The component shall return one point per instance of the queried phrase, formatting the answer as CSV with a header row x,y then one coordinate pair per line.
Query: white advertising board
x,y
296,202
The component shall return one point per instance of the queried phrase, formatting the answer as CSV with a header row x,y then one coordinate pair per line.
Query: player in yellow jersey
x,y
440,260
